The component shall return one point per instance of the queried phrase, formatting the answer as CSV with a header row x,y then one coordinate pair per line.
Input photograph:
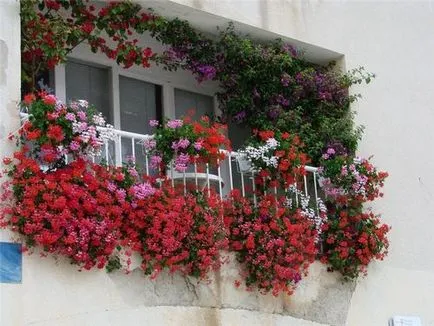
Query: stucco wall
x,y
10,294
392,39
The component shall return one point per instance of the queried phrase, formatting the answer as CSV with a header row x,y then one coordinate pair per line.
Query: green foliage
x,y
265,86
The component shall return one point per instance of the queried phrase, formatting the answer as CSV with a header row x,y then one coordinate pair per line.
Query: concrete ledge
x,y
166,315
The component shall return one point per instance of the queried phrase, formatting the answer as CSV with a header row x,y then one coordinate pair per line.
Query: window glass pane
x,y
138,105
89,83
186,101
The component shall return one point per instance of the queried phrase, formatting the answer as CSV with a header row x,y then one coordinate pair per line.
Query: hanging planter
x,y
244,164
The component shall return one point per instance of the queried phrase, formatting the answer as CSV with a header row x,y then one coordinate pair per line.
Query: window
x,y
129,99
84,81
186,101
139,102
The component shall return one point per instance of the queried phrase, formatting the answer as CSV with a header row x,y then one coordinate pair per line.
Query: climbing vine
x,y
265,86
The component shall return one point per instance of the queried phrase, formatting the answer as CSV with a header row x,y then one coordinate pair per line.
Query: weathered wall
x,y
392,39
10,294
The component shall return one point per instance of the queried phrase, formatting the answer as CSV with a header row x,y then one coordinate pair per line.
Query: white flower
x,y
83,103
272,143
98,119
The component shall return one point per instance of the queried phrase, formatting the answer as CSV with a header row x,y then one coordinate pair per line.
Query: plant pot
x,y
244,164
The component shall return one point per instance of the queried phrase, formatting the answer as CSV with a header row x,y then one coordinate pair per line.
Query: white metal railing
x,y
226,177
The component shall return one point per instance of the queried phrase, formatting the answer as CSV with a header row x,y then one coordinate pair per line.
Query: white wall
x,y
10,294
392,39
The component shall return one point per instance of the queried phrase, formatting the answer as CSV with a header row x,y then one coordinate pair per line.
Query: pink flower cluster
x,y
173,124
143,190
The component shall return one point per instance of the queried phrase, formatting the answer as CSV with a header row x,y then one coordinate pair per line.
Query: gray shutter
x,y
186,101
137,105
89,83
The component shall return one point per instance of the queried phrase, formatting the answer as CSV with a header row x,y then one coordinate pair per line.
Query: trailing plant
x,y
301,110
54,129
352,240
51,32
185,142
274,242
352,235
263,85
277,157
177,232
68,212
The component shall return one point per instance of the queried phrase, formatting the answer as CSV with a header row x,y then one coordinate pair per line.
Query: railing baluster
x,y
171,173
119,156
184,180
296,197
305,184
195,175
133,149
106,148
146,163
207,179
316,193
231,180
254,190
219,178
243,191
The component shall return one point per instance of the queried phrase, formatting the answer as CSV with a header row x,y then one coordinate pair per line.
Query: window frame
x,y
146,75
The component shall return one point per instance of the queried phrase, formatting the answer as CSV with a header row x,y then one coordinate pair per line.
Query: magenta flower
x,y
180,144
173,124
153,123
121,194
155,161
133,172
70,116
111,187
141,191
82,115
181,162
149,144
74,146
198,145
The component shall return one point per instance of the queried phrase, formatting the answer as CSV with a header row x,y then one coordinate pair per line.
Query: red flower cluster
x,y
212,137
55,129
285,159
352,241
352,238
67,212
185,142
274,243
177,232
59,26
84,211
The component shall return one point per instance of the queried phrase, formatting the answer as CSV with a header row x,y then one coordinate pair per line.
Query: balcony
x,y
230,173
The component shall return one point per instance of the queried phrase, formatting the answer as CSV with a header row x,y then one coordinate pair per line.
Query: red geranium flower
x,y
55,132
